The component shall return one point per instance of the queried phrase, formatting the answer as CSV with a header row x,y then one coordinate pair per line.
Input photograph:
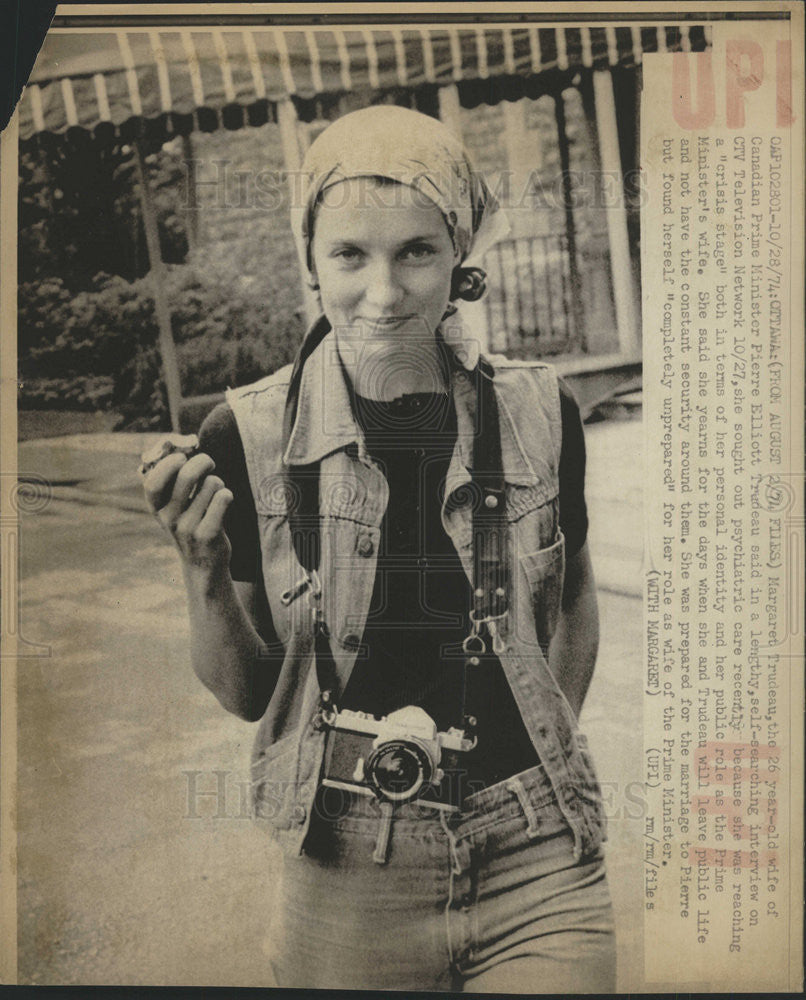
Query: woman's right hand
x,y
190,503
227,653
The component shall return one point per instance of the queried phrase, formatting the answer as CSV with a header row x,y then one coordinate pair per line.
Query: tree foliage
x,y
88,337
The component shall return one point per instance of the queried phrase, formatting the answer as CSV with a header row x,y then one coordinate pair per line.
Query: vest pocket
x,y
545,572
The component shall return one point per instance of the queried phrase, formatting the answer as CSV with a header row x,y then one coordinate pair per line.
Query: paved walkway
x,y
125,875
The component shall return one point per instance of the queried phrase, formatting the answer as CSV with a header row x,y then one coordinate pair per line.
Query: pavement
x,y
137,862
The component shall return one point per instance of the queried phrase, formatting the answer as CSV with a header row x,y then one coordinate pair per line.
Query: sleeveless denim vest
x,y
288,751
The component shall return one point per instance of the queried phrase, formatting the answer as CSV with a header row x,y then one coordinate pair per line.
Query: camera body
x,y
401,757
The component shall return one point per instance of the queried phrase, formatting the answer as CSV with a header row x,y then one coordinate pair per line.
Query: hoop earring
x,y
468,283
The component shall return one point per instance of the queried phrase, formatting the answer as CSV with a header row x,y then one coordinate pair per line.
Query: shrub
x,y
99,349
88,339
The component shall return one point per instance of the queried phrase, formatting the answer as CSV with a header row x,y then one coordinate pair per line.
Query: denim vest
x,y
287,755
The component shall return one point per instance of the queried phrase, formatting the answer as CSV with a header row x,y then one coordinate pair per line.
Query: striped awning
x,y
87,78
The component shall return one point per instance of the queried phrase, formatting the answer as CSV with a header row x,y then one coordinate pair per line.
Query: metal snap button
x,y
365,546
351,640
298,813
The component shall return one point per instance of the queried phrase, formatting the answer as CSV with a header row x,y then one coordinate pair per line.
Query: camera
x,y
401,757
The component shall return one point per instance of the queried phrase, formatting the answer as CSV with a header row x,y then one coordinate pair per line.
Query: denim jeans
x,y
487,900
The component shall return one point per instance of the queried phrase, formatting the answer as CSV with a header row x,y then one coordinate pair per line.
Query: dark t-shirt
x,y
410,653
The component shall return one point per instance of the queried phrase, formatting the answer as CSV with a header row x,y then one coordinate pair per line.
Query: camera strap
x,y
490,600
302,490
490,603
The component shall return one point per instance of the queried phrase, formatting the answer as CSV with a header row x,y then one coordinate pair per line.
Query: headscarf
x,y
410,148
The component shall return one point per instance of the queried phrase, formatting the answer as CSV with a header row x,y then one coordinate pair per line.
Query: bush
x,y
99,349
88,339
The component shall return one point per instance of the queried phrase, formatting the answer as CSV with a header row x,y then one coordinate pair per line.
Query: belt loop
x,y
381,854
578,828
532,823
456,866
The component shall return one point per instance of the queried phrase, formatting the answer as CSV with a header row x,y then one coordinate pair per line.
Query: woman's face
x,y
383,258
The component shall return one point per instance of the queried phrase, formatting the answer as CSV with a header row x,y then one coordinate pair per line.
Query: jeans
x,y
486,900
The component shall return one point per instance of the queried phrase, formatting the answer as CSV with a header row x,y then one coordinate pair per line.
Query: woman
x,y
389,571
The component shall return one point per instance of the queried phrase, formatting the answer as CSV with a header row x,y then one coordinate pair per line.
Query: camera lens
x,y
397,770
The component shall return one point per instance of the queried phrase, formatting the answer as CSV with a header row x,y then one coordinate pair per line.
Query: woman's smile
x,y
389,321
